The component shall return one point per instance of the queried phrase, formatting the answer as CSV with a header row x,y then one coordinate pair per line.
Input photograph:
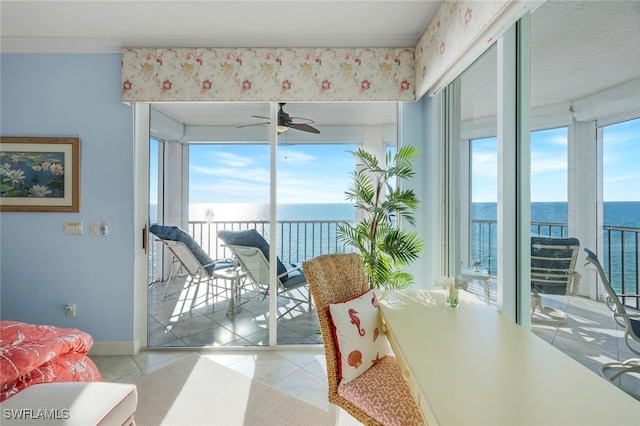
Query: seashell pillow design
x,y
358,333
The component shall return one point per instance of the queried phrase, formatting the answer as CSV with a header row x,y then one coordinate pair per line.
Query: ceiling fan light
x,y
282,129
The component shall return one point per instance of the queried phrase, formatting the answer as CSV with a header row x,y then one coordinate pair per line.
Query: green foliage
x,y
384,248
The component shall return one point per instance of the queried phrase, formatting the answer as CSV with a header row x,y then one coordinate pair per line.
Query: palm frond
x,y
384,247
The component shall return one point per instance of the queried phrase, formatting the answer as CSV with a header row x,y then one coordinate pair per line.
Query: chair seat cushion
x,y
295,277
382,393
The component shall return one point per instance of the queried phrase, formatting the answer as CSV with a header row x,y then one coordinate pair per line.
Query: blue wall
x,y
41,269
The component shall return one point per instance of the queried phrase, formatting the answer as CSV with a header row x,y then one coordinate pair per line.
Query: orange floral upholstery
x,y
383,395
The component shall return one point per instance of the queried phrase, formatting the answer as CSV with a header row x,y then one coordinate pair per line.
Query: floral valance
x,y
279,74
460,29
456,27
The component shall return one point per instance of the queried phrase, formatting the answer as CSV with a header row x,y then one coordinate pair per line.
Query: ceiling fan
x,y
285,121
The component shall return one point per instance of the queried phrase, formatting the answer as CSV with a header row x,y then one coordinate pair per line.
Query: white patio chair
x,y
190,258
629,321
553,262
251,251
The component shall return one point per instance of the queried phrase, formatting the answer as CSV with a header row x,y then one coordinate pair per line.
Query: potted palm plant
x,y
384,247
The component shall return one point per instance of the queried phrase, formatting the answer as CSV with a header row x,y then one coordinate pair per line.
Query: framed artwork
x,y
39,174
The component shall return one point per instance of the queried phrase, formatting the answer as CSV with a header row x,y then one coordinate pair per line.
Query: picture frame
x,y
39,174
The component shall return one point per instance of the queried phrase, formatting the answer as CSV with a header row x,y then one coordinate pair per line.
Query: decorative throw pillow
x,y
358,332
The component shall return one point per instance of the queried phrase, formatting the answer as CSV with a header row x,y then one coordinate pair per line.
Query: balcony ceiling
x,y
592,42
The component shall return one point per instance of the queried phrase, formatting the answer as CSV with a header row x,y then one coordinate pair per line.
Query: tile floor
x,y
297,372
590,336
175,322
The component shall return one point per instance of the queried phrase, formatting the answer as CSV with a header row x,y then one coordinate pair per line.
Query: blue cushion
x,y
635,326
295,278
173,233
251,238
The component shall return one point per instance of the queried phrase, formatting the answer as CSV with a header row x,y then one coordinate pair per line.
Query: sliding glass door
x,y
473,195
286,190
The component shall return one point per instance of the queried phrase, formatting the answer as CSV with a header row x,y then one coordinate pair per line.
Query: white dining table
x,y
471,365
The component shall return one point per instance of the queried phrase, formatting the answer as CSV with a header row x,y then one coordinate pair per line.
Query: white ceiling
x,y
579,47
108,26
90,26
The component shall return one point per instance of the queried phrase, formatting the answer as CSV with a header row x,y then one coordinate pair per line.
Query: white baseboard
x,y
115,348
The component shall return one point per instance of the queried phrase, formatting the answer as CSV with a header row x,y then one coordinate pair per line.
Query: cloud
x,y
295,156
485,164
234,160
230,191
544,164
239,175
628,177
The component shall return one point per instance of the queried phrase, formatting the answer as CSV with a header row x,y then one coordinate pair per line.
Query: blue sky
x,y
621,166
320,173
240,173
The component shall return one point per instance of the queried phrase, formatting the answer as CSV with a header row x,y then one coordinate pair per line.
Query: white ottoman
x,y
71,403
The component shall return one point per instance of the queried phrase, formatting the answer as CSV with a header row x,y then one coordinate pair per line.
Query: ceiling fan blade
x,y
260,116
304,127
252,124
305,120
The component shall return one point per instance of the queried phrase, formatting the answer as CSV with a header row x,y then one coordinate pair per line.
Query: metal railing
x,y
296,240
620,258
300,240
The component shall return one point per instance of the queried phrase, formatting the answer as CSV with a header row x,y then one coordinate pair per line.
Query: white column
x,y
176,184
514,211
507,254
583,197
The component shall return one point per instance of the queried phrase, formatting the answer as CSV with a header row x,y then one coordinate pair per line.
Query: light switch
x,y
73,228
94,228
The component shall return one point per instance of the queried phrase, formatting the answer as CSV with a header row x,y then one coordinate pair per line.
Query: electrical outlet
x,y
70,309
94,228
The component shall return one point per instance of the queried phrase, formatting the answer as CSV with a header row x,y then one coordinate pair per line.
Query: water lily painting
x,y
39,174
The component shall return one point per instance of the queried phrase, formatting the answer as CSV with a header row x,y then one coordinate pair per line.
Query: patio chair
x,y
630,322
190,257
379,395
251,251
553,262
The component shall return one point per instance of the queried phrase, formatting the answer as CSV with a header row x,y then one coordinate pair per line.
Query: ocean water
x,y
222,212
484,239
616,213
621,244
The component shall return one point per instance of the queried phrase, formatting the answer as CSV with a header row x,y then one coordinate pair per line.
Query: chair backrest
x,y
334,278
253,262
251,238
174,233
185,257
618,306
553,262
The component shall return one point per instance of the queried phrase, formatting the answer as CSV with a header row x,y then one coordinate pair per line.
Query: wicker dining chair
x,y
380,396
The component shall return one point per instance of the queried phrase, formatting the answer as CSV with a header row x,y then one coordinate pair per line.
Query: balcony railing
x,y
296,241
620,256
300,240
